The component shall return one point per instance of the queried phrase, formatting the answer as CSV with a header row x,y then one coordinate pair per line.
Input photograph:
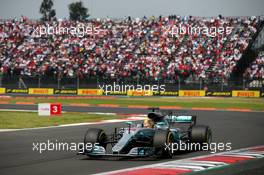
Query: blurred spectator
x,y
256,70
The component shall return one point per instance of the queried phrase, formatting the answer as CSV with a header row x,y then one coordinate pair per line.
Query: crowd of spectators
x,y
256,70
235,47
138,47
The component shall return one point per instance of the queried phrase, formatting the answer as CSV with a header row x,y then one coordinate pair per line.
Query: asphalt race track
x,y
242,129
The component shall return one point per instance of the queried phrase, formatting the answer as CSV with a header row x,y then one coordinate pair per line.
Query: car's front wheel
x,y
162,142
95,136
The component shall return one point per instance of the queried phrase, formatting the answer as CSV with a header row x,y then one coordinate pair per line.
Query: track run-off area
x,y
242,129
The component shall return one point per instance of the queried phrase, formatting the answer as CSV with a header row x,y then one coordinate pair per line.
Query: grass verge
x,y
17,120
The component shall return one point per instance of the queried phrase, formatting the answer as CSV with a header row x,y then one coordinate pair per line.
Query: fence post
x,y
1,77
179,84
222,84
243,84
38,81
97,82
19,83
78,82
58,83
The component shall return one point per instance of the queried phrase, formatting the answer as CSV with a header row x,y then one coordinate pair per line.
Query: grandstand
x,y
142,49
256,69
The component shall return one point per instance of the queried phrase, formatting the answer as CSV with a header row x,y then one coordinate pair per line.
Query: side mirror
x,y
129,126
129,123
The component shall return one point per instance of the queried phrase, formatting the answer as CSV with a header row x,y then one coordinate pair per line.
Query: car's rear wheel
x,y
95,135
162,142
201,135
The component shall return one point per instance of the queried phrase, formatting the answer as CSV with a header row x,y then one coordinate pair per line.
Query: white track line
x,y
17,110
21,110
173,161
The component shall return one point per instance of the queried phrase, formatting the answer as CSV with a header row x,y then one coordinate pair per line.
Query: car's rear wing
x,y
183,119
176,116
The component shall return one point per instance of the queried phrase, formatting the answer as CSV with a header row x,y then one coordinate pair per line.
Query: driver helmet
x,y
148,123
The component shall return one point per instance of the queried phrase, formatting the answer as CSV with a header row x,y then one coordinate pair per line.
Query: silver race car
x,y
160,135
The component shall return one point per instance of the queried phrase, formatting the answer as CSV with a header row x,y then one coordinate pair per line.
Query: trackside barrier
x,y
41,91
115,93
181,93
191,93
218,94
166,93
89,92
262,94
17,91
2,90
140,93
65,91
245,93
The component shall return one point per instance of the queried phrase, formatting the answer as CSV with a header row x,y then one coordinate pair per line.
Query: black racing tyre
x,y
162,138
95,135
201,134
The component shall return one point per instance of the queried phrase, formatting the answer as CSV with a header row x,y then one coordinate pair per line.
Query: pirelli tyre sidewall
x,y
160,140
95,135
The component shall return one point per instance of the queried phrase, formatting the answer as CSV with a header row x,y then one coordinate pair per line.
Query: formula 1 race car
x,y
136,140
